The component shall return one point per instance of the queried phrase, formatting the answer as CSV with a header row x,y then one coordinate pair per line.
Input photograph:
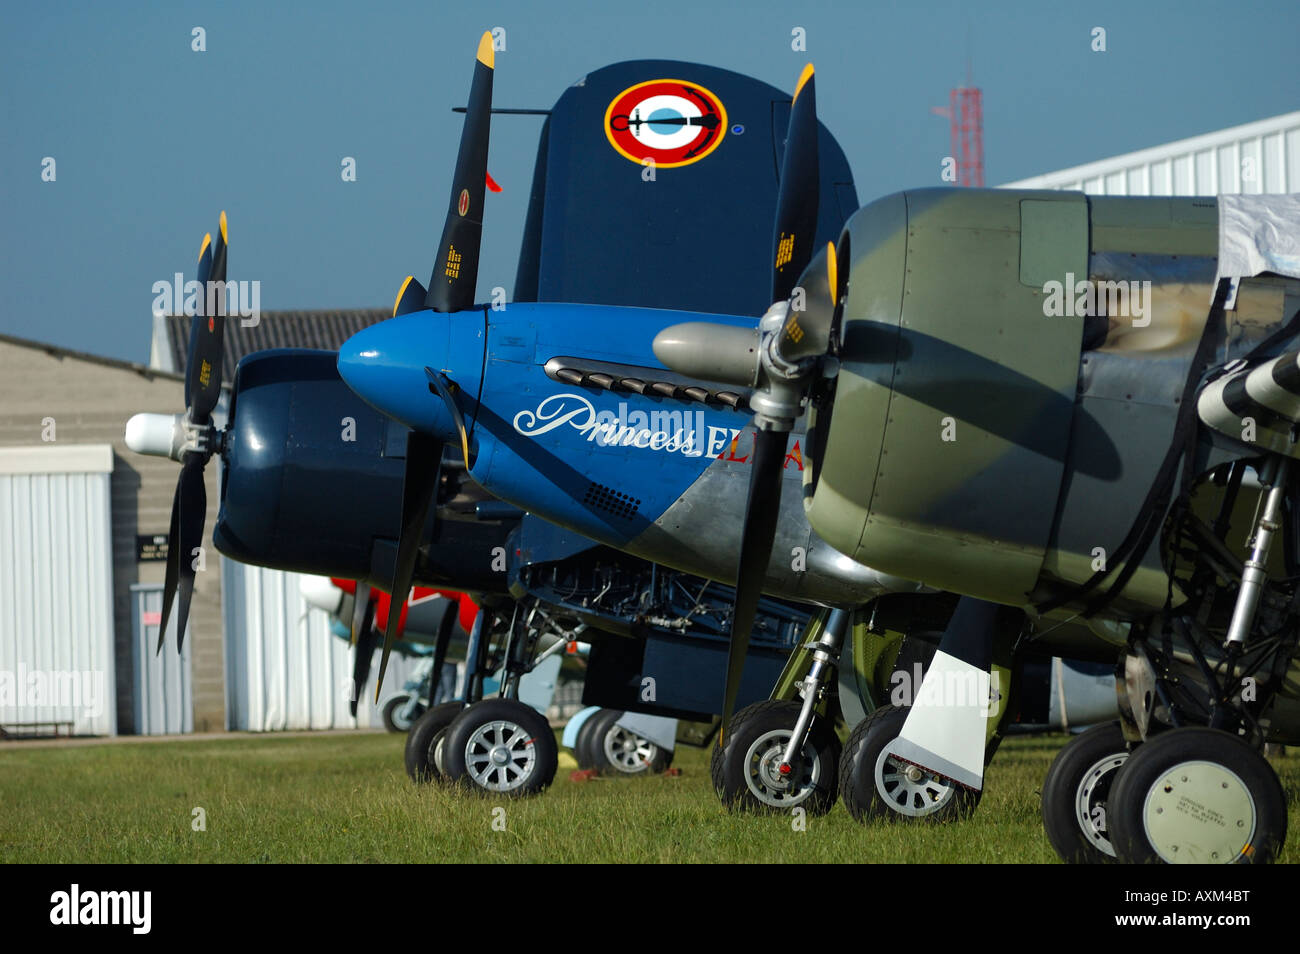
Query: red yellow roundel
x,y
673,122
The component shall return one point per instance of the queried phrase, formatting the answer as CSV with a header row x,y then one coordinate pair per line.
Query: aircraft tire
x,y
1076,791
392,714
1197,795
874,786
584,749
421,739
616,751
744,768
500,747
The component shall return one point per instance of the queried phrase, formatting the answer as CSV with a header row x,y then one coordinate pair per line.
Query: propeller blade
x,y
201,274
173,562
455,269
799,192
192,505
423,454
207,338
363,610
363,654
449,621
443,386
807,331
761,512
410,297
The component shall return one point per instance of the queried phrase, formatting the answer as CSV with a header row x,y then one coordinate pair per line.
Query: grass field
x,y
345,798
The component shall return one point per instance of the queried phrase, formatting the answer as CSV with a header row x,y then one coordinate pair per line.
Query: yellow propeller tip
x,y
486,55
223,225
804,77
400,292
832,272
207,240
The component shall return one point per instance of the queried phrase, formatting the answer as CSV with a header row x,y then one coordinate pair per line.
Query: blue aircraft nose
x,y
385,365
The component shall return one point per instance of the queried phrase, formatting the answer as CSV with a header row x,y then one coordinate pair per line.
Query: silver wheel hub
x,y
910,790
1090,801
1199,812
627,751
500,756
763,776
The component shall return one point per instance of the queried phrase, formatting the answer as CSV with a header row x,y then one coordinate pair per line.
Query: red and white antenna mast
x,y
965,113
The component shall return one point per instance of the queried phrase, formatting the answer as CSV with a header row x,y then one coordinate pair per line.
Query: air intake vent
x,y
611,501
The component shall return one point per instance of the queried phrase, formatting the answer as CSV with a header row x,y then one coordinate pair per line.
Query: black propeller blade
x,y
365,651
761,512
363,610
419,484
818,284
207,338
800,190
410,297
455,270
202,391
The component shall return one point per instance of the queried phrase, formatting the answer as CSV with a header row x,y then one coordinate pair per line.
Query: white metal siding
x,y
56,587
163,698
284,668
1213,164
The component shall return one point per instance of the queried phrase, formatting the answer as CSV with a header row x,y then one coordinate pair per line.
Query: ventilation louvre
x,y
611,501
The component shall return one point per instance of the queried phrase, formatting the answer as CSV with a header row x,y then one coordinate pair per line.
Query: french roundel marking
x,y
673,122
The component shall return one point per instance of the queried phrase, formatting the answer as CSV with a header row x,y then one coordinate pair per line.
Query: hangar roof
x,y
59,352
275,329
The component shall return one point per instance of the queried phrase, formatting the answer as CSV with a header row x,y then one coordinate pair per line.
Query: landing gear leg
x,y
781,754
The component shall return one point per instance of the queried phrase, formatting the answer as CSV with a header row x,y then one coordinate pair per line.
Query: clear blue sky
x,y
152,140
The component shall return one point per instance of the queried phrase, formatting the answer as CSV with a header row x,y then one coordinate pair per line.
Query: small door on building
x,y
163,696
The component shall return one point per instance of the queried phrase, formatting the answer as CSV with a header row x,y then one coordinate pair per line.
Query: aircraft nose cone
x,y
320,592
384,364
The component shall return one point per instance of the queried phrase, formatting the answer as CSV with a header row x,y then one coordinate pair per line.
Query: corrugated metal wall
x,y
56,587
163,691
284,669
1258,157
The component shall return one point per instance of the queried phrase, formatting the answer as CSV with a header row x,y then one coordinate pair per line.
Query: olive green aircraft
x,y
1080,413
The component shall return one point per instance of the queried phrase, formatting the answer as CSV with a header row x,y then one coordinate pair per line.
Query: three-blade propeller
x,y
202,391
794,336
451,289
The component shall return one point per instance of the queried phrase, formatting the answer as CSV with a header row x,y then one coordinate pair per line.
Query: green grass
x,y
346,798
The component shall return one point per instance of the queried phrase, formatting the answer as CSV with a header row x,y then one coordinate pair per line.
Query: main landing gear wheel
x,y
746,769
1076,793
423,740
875,784
500,747
1200,796
394,721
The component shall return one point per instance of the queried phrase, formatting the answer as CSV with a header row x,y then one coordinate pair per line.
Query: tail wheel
x,y
875,784
1077,791
589,746
422,740
1200,796
746,769
627,753
394,721
500,747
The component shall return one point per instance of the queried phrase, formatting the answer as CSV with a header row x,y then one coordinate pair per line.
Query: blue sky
x,y
152,140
